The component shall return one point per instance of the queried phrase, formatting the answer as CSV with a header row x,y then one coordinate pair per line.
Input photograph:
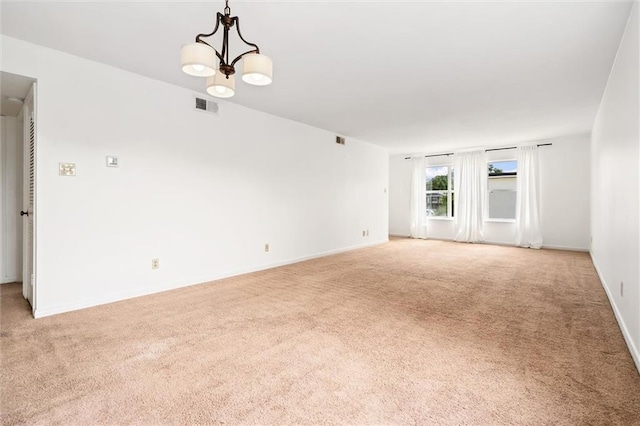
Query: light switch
x,y
67,169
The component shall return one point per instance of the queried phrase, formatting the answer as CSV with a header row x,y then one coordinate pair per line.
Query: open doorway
x,y
17,192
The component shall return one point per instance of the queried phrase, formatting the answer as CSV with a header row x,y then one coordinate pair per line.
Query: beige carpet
x,y
410,332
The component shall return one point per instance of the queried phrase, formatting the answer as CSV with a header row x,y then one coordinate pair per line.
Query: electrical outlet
x,y
367,232
364,233
621,288
155,263
266,248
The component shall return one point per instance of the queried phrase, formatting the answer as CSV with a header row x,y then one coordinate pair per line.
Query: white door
x,y
28,211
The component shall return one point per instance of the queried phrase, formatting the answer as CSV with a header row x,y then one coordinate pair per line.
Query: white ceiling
x,y
410,76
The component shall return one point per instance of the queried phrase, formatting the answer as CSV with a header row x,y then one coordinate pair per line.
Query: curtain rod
x,y
486,150
514,147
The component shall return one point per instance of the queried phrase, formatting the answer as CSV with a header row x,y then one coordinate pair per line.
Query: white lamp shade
x,y
220,86
198,60
257,69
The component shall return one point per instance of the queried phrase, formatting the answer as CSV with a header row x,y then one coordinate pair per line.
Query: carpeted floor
x,y
409,332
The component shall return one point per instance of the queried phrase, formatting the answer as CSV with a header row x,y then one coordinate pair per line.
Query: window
x,y
439,191
501,184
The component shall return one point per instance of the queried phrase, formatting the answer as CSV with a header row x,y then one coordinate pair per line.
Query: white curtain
x,y
528,232
470,186
418,198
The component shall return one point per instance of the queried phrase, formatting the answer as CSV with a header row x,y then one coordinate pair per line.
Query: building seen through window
x,y
502,189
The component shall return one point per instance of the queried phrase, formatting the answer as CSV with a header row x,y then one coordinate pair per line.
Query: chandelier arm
x,y
257,49
214,49
215,29
245,53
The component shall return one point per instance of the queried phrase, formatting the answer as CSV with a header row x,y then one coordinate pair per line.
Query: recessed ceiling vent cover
x,y
340,140
206,105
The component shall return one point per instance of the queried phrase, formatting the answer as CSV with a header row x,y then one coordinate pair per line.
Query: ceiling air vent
x,y
206,105
340,140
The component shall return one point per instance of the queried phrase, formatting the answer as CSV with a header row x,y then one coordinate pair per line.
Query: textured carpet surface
x,y
409,332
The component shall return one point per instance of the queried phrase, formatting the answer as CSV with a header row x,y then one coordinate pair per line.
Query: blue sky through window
x,y
436,171
505,166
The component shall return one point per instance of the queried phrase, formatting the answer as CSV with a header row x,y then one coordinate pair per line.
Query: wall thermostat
x,y
112,161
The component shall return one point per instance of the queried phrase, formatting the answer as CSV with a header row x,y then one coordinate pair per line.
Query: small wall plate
x,y
112,161
67,169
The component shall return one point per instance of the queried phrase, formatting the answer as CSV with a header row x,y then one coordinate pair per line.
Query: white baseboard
x,y
567,248
117,297
544,246
301,259
623,327
499,243
103,300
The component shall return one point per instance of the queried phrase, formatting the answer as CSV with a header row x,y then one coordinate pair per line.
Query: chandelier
x,y
200,59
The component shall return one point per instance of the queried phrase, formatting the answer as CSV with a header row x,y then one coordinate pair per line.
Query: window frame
x,y
449,191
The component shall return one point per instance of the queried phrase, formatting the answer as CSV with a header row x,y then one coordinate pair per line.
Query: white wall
x,y
201,193
615,186
10,199
564,170
564,192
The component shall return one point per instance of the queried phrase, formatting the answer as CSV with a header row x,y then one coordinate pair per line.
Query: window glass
x,y
502,188
437,178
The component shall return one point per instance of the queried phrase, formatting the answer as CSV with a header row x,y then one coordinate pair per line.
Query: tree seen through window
x,y
438,191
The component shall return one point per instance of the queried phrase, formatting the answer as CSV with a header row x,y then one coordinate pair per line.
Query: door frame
x,y
29,283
